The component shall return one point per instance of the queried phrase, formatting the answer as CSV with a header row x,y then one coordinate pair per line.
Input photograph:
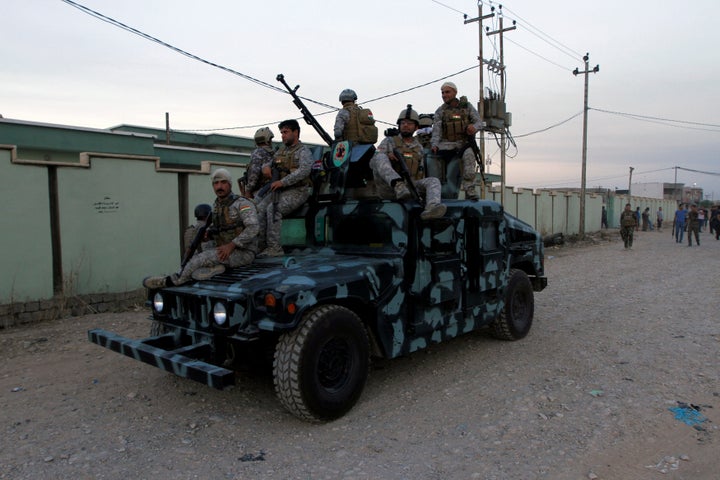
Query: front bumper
x,y
165,353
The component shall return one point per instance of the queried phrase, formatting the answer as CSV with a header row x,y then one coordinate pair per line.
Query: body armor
x,y
455,120
226,228
412,156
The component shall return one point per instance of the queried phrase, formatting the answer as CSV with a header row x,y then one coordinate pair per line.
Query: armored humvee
x,y
370,279
361,278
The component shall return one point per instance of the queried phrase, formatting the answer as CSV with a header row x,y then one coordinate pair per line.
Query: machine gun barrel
x,y
309,118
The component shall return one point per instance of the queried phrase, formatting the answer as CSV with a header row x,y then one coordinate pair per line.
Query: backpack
x,y
367,131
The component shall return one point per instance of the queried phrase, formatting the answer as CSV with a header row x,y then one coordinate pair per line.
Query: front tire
x,y
516,316
321,367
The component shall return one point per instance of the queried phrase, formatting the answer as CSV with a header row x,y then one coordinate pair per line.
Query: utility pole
x,y
481,107
587,70
630,184
500,31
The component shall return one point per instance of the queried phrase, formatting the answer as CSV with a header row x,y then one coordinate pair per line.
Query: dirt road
x,y
620,337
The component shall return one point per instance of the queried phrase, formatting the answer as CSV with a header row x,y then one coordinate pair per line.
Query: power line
x,y
550,127
547,38
660,120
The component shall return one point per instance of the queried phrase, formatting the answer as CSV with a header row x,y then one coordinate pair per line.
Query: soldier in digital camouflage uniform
x,y
628,222
693,225
202,211
424,132
235,227
263,154
290,187
453,123
388,181
351,124
342,119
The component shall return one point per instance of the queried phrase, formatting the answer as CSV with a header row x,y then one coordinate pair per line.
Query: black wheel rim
x,y
334,364
519,308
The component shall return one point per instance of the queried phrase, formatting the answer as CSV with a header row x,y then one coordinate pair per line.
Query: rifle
x,y
276,172
472,144
405,174
196,242
304,110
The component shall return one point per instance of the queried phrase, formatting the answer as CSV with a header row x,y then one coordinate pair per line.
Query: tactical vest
x,y
411,155
285,163
223,225
627,219
455,120
360,127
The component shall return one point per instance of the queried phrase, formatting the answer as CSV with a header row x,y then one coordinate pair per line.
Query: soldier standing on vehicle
x,y
290,186
386,167
352,122
628,223
202,211
454,123
235,227
254,180
424,132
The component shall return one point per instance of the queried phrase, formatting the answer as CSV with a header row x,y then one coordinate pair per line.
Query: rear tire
x,y
516,316
321,367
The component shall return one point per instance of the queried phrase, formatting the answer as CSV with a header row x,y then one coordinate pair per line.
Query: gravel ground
x,y
620,337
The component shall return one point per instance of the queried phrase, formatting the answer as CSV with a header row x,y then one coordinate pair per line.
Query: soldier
x,y
202,211
455,122
628,222
254,179
235,223
424,133
693,225
290,186
386,167
352,122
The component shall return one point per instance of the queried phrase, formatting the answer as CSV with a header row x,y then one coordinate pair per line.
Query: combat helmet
x,y
426,120
409,114
348,95
202,211
263,135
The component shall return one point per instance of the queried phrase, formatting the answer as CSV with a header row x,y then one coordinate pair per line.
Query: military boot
x,y
435,210
153,283
401,190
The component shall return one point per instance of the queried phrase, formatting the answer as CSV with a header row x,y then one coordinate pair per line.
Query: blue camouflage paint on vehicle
x,y
412,283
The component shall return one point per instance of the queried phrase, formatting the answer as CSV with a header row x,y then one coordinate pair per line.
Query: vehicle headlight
x,y
220,314
158,302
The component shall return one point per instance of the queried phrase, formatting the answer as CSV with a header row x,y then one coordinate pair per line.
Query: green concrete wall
x,y
25,244
115,225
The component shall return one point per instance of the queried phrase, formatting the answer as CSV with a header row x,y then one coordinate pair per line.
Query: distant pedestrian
x,y
659,218
715,225
645,219
628,224
637,218
693,225
603,218
679,224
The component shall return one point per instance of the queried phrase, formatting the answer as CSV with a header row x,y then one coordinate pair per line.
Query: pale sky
x,y
661,63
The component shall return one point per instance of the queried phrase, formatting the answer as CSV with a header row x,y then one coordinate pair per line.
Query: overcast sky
x,y
654,103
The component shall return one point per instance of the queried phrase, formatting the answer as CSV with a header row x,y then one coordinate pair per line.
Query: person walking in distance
x,y
628,224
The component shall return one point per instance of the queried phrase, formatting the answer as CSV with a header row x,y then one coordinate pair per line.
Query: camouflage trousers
x,y
209,258
271,210
429,188
626,233
455,172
